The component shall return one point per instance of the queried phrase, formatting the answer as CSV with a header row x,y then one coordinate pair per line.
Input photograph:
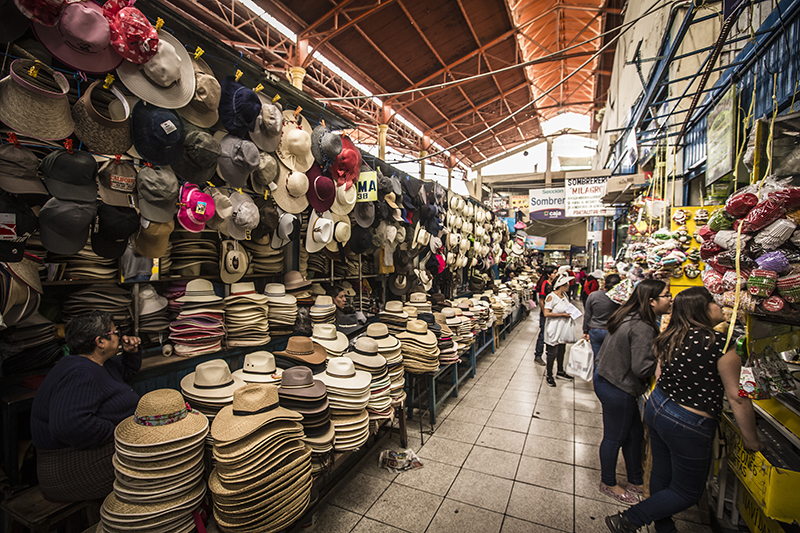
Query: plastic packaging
x,y
774,261
771,237
741,203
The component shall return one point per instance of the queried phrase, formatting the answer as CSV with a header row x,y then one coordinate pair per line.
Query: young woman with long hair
x,y
624,365
683,410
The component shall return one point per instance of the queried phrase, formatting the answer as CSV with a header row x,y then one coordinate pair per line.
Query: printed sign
x,y
584,197
8,227
535,243
720,138
521,202
367,187
546,203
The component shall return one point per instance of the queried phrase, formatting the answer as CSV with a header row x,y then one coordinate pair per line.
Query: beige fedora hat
x,y
212,380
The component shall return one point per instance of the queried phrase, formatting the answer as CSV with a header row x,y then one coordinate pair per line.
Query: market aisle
x,y
510,454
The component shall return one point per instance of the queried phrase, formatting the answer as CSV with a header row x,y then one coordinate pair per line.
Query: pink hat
x,y
347,165
46,12
81,39
132,35
196,208
321,190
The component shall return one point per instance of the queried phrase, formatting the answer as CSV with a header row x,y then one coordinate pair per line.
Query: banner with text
x,y
584,197
535,243
546,204
367,190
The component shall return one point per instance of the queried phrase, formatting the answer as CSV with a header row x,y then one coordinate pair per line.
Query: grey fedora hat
x,y
325,145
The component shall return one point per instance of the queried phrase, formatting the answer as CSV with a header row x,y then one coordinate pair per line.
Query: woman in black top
x,y
683,410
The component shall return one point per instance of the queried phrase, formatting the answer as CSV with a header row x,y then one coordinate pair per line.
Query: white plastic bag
x,y
581,360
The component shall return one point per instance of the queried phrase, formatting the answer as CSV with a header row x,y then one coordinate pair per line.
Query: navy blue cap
x,y
239,107
158,133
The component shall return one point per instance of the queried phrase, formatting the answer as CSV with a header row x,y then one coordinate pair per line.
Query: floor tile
x,y
554,413
587,455
515,525
494,462
332,519
592,419
520,396
588,435
479,402
552,429
370,466
523,384
553,402
395,505
514,407
588,405
547,448
510,422
541,506
487,391
590,515
483,490
367,525
502,439
359,493
433,477
460,431
463,518
472,415
587,483
547,474
445,451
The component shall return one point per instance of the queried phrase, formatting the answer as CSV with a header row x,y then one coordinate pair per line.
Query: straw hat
x,y
199,290
380,333
345,200
417,331
212,380
342,374
259,367
161,417
103,132
327,336
254,406
294,149
291,189
320,231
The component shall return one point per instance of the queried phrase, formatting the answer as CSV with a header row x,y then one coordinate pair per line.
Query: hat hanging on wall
x,y
291,189
198,159
325,145
13,24
203,109
294,149
132,35
269,125
321,190
47,12
157,133
103,133
239,107
347,165
238,159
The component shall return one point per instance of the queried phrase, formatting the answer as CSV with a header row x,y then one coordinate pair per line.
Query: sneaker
x,y
539,361
564,375
619,524
550,381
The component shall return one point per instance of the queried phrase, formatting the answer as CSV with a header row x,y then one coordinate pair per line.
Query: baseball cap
x,y
112,227
117,183
18,171
17,223
158,194
70,176
64,225
198,159
152,238
244,218
238,158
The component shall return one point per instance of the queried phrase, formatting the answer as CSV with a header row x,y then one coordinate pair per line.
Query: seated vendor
x,y
339,300
77,407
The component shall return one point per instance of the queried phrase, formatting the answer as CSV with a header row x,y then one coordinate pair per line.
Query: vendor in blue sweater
x,y
77,407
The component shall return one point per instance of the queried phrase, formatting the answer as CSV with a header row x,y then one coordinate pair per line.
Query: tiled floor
x,y
510,455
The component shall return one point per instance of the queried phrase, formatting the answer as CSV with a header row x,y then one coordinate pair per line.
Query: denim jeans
x,y
681,442
540,339
596,338
622,429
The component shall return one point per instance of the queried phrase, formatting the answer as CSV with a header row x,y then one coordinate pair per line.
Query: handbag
x,y
581,360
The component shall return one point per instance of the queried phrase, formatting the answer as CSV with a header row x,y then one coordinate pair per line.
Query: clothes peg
x,y
237,75
197,53
159,23
210,184
147,164
276,98
239,190
118,159
297,111
33,71
108,81
322,121
258,88
266,194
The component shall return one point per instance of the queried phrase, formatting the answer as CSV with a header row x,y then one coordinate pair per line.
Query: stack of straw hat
x,y
302,351
300,392
86,265
327,336
159,467
468,326
265,260
448,347
262,480
394,317
298,286
193,254
200,326
348,395
420,348
282,309
390,348
153,314
113,299
420,301
323,311
246,316
259,367
210,387
366,357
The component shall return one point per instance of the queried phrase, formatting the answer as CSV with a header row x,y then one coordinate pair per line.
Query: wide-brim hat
x,y
75,54
294,149
254,406
325,145
176,95
218,385
259,367
364,214
288,229
320,231
203,109
36,106
267,135
299,382
290,191
321,189
233,262
562,279
103,134
305,350
345,200
347,165
342,231
199,291
399,284
326,335
342,374
160,417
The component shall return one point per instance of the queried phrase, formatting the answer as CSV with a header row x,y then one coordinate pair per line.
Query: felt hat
x,y
104,132
269,125
321,189
299,382
399,284
167,79
81,39
36,106
291,189
294,149
254,406
157,133
325,145
211,379
196,208
161,417
239,107
259,367
157,194
203,109
305,350
132,35
347,165
320,231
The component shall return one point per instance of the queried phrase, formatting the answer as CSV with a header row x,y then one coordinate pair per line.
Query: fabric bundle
x,y
262,480
246,316
348,394
200,325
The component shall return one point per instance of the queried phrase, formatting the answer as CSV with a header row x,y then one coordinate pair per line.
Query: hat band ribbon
x,y
160,420
366,354
334,375
221,385
417,333
275,294
376,337
243,293
267,409
200,293
260,373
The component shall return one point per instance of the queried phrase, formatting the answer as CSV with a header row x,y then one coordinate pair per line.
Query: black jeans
x,y
555,353
540,339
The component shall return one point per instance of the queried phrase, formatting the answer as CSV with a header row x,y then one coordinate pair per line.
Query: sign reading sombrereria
x,y
584,197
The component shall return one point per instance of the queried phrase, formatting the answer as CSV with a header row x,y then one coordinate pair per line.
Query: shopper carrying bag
x,y
559,328
581,360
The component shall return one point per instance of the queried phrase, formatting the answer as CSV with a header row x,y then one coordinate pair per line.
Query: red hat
x,y
45,12
132,35
321,190
347,165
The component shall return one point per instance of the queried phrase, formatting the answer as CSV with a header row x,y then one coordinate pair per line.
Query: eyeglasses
x,y
115,332
665,296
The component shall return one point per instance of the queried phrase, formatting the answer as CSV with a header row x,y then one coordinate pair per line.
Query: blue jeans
x,y
540,339
622,429
681,442
596,338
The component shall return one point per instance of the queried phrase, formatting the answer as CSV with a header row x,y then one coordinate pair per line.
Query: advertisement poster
x,y
535,243
720,137
584,197
367,187
521,202
546,204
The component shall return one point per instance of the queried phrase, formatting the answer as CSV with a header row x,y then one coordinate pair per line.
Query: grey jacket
x,y
597,310
626,357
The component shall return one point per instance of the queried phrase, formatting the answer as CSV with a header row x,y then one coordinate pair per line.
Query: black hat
x,y
360,240
112,228
197,162
402,260
399,284
70,176
17,223
267,220
158,134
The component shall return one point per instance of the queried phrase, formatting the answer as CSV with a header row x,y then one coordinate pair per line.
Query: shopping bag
x,y
567,333
581,360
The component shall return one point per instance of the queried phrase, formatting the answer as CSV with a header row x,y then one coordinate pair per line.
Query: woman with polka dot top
x,y
683,411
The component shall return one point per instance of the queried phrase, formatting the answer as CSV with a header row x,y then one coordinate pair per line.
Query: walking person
x,y
683,411
544,289
597,309
555,312
624,366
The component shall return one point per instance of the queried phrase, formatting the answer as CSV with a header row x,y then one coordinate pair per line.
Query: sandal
x,y
634,489
627,498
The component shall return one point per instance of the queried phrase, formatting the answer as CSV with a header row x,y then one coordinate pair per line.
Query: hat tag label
x,y
122,183
168,127
200,208
8,227
273,186
96,224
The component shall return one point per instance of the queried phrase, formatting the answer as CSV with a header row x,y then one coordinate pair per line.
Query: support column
x,y
426,141
297,74
382,128
479,184
548,172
